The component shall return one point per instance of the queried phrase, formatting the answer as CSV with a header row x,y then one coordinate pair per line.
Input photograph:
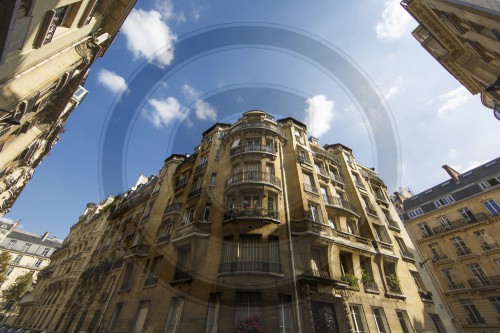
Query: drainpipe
x,y
290,245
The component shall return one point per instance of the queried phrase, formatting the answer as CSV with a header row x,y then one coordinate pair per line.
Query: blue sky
x,y
438,122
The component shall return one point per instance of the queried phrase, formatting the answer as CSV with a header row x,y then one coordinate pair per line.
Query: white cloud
x,y
190,93
112,81
166,111
7,220
205,111
320,112
395,89
395,21
147,34
166,9
451,100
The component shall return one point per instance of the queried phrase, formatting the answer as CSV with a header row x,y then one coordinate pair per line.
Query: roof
x,y
293,120
35,239
466,187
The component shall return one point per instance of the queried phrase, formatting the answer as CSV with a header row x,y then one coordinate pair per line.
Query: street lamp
x,y
10,120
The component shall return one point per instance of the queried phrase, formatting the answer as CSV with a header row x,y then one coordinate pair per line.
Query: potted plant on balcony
x,y
250,325
351,279
394,283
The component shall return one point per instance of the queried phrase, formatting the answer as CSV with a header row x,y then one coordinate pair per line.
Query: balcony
x,y
257,267
370,286
438,258
181,182
201,166
425,296
393,287
195,228
162,239
322,172
325,153
254,124
372,176
371,211
359,184
489,246
407,255
251,213
485,282
172,208
337,178
463,251
310,188
304,159
392,224
194,193
264,149
324,230
480,217
456,285
181,275
252,177
338,202
151,281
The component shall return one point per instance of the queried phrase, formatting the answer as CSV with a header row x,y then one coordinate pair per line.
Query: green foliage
x,y
5,258
367,278
17,290
393,280
351,279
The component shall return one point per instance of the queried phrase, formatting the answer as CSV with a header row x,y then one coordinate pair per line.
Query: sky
x,y
432,119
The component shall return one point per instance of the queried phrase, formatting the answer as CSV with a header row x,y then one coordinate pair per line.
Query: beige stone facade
x,y
29,253
258,224
456,228
464,37
46,50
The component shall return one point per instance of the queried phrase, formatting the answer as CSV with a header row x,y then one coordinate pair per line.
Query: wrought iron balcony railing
x,y
256,213
250,266
253,177
407,254
392,223
310,188
463,251
150,281
253,149
337,178
370,285
485,281
440,257
479,217
489,246
370,210
338,202
456,285
325,153
304,159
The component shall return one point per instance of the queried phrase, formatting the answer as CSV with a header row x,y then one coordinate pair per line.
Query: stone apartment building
x,y
259,224
46,50
464,37
29,253
455,226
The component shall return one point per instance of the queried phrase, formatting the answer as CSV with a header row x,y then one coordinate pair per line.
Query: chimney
x,y
45,235
452,172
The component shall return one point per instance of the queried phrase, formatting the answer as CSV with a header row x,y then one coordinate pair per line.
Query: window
x,y
358,318
54,18
404,321
460,246
127,276
315,213
27,247
467,214
448,273
45,252
11,244
251,202
17,260
445,222
174,315
471,310
141,317
495,301
319,266
444,201
285,309
213,177
9,271
418,280
478,272
415,212
492,207
402,247
212,313
380,321
485,240
154,270
248,306
206,212
274,254
38,263
437,253
438,324
309,184
424,228
183,264
249,252
324,194
253,144
188,215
